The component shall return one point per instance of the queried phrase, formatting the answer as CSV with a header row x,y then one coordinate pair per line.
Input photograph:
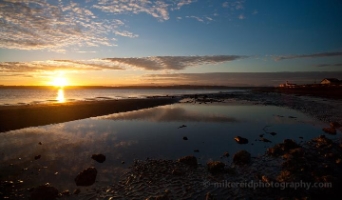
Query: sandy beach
x,y
16,117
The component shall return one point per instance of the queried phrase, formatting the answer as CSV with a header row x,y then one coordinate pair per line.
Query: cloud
x,y
242,16
239,79
53,25
56,25
172,62
56,65
201,19
184,2
169,114
158,9
234,5
146,63
316,55
329,65
196,18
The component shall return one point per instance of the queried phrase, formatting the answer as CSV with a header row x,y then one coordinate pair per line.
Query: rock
x,y
77,191
335,124
44,192
330,130
37,157
289,144
86,177
209,196
297,152
182,126
196,151
66,193
264,140
242,157
215,167
185,138
322,141
189,160
122,162
99,157
39,143
282,148
273,133
241,140
226,154
177,172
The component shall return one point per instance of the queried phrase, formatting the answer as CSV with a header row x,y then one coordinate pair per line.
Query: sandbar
x,y
22,116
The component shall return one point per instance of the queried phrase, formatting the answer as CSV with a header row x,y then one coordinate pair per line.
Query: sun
x,y
59,82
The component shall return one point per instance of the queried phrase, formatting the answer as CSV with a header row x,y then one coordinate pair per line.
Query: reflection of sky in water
x,y
60,96
152,133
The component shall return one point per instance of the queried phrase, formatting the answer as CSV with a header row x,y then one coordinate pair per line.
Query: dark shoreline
x,y
328,92
16,117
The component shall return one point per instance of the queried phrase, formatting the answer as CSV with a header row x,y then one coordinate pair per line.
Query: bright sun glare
x,y
59,82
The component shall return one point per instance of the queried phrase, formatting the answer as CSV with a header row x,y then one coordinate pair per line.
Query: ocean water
x,y
22,95
148,133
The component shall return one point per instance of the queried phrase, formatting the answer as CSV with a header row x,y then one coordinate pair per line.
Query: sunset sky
x,y
169,42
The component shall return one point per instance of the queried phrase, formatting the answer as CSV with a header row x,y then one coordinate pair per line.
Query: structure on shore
x,y
331,81
326,82
288,85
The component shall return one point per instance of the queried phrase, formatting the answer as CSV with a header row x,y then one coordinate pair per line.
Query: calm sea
x,y
23,96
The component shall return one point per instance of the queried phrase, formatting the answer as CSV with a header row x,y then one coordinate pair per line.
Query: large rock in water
x,y
86,177
44,192
242,158
241,140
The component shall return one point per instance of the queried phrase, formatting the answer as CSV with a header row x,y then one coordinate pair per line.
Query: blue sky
x,y
130,42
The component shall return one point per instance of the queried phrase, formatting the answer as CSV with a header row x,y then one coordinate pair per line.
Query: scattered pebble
x,y
185,138
273,133
182,126
99,157
241,140
77,191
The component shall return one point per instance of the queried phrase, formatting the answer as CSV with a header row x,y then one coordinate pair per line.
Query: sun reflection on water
x,y
60,96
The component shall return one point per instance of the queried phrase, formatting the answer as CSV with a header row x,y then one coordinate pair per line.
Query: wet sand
x,y
16,117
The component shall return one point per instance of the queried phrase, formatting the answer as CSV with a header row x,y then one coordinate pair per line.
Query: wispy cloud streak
x,y
145,63
172,62
316,55
239,79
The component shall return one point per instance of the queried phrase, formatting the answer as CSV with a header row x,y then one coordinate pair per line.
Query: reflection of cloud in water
x,y
168,114
65,149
